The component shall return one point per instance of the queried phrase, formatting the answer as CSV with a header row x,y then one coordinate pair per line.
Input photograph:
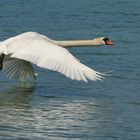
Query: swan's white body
x,y
44,52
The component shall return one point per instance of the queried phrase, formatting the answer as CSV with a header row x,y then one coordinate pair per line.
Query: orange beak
x,y
109,43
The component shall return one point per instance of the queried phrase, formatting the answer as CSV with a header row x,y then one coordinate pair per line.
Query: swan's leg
x,y
1,61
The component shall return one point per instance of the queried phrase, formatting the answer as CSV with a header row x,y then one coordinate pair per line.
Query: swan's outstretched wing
x,y
17,69
50,56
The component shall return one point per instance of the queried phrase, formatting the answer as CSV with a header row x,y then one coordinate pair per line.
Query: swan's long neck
x,y
75,43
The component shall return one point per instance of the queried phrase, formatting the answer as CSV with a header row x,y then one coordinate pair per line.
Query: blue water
x,y
56,108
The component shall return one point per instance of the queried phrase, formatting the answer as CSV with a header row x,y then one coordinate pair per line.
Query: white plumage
x,y
40,50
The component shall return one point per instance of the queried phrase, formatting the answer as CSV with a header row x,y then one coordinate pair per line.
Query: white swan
x,y
17,52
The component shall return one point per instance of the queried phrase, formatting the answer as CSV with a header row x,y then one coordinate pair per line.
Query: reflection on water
x,y
17,95
26,115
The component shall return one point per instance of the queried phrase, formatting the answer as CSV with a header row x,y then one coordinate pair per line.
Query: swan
x,y
18,52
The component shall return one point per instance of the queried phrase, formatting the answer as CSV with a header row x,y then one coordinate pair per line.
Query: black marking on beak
x,y
106,40
1,61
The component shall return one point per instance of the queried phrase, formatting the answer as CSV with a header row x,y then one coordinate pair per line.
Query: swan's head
x,y
103,41
107,41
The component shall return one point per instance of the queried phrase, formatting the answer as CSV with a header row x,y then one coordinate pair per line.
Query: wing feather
x,y
17,69
50,56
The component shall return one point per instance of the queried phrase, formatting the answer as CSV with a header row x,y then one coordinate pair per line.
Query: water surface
x,y
56,108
